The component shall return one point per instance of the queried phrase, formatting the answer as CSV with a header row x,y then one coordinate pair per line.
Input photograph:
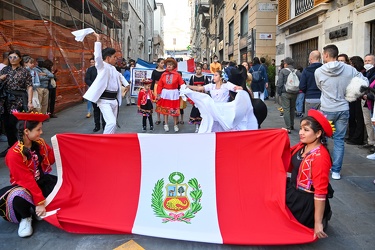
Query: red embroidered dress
x,y
24,172
313,173
169,103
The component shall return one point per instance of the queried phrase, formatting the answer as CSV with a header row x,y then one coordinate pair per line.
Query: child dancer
x,y
197,80
145,106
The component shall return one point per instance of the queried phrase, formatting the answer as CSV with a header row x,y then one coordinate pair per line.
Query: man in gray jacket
x,y
332,79
288,99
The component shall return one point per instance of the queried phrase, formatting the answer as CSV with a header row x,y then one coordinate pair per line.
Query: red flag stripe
x,y
250,185
91,158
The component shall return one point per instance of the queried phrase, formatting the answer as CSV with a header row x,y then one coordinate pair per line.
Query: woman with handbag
x,y
17,83
29,162
307,188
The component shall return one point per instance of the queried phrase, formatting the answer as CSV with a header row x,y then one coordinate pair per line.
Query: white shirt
x,y
222,94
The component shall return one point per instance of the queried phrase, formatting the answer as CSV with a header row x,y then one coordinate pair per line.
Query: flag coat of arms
x,y
226,188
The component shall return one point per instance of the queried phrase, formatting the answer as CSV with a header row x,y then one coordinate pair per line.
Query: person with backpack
x,y
288,88
260,78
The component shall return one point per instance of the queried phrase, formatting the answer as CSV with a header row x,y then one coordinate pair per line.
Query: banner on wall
x,y
215,193
139,73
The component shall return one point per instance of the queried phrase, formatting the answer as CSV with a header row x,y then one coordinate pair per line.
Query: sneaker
x,y
25,229
88,115
151,128
281,114
144,129
166,128
371,157
336,176
175,128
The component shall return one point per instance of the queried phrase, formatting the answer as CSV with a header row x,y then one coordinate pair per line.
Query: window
x,y
244,22
221,29
231,33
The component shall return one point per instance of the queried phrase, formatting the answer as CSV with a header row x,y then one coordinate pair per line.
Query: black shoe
x,y
144,129
4,153
128,104
372,150
151,128
53,116
349,142
366,146
134,104
96,129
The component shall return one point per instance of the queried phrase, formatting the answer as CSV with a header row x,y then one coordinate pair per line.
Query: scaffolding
x,y
50,37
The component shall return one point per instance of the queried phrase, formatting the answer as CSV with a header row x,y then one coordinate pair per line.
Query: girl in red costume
x,y
168,94
307,189
29,161
145,99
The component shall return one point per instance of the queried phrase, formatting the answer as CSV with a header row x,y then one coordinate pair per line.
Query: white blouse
x,y
222,94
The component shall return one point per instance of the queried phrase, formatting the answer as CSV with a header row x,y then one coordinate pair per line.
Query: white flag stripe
x,y
181,154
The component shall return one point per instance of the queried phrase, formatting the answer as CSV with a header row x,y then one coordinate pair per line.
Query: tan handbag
x,y
53,83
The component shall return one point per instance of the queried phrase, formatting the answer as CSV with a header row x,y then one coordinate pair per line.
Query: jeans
x,y
89,107
340,120
299,102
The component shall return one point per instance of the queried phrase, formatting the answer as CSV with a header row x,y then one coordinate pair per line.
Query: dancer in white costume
x,y
218,114
105,91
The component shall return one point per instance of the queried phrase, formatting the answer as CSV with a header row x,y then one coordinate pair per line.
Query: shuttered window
x,y
283,11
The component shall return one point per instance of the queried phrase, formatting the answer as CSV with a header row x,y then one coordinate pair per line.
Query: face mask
x,y
215,60
368,66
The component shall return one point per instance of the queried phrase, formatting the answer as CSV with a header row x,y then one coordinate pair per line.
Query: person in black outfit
x,y
91,74
356,121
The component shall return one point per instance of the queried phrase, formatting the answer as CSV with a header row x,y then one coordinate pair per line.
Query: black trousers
x,y
51,100
22,208
97,115
10,126
144,118
356,122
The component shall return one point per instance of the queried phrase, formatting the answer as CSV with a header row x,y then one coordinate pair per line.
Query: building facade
x,y
304,26
235,30
158,43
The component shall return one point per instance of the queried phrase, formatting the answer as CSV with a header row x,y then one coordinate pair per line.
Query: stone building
x,y
304,26
234,30
158,42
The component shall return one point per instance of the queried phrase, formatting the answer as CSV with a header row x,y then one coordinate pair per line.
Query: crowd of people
x,y
319,92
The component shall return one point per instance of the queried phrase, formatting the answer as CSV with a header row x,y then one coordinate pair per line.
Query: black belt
x,y
109,95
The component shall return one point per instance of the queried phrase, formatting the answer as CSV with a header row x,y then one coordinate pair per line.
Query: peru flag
x,y
226,188
187,66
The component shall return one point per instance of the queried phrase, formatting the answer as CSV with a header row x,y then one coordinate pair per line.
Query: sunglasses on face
x,y
13,57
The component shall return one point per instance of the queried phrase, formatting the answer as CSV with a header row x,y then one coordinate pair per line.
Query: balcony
x,y
301,6
203,6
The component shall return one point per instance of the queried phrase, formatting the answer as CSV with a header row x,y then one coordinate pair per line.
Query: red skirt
x,y
169,102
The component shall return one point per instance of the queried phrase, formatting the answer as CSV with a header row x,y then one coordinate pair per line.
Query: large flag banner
x,y
226,187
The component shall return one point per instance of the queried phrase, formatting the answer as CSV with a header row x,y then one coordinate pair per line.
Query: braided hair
x,y
30,125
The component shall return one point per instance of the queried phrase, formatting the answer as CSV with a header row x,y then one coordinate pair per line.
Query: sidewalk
x,y
352,225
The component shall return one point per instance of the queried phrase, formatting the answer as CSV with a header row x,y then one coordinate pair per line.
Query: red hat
x,y
146,81
23,116
322,120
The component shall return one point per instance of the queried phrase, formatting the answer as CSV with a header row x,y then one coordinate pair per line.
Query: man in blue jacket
x,y
307,82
